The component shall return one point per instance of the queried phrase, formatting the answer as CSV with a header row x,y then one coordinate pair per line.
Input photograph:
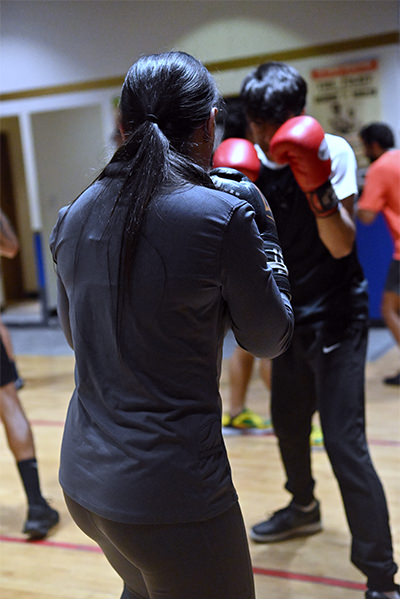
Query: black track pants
x,y
326,373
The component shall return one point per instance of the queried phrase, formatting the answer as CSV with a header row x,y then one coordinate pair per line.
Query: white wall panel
x,y
49,42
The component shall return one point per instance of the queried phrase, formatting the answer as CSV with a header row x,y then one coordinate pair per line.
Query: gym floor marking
x,y
330,581
248,432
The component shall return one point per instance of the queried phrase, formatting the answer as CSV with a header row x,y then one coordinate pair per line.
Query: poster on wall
x,y
344,98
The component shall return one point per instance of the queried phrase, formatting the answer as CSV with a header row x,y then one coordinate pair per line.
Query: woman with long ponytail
x,y
153,265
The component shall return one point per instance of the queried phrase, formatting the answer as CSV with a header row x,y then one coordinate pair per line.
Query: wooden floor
x,y
69,565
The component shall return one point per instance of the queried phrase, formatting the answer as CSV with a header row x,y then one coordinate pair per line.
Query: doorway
x,y
11,269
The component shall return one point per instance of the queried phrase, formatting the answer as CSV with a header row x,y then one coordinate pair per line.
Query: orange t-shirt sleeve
x,y
373,196
382,193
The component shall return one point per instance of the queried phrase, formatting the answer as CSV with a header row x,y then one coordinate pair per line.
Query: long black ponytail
x,y
164,98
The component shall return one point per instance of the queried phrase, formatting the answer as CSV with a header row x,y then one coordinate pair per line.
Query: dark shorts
x,y
8,373
392,283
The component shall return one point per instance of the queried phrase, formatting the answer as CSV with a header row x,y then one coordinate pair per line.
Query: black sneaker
x,y
41,518
376,594
394,380
286,523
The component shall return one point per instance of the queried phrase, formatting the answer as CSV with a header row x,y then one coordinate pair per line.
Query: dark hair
x,y
235,122
378,132
274,92
164,99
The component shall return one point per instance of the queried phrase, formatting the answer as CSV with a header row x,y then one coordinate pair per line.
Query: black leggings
x,y
205,559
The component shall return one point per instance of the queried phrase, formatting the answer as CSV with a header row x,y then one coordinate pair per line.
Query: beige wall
x,y
68,147
53,43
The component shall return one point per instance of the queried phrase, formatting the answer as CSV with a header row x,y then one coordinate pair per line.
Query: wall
x,y
68,146
47,43
61,55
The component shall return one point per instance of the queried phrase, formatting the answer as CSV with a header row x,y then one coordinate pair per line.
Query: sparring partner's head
x,y
376,138
272,93
174,96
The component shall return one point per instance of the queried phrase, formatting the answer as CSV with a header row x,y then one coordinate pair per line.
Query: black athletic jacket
x,y
142,440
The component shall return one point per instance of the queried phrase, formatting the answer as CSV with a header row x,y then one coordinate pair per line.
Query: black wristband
x,y
323,201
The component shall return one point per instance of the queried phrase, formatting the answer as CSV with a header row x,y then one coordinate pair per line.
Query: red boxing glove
x,y
239,154
301,143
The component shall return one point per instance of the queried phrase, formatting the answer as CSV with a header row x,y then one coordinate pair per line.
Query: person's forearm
x,y
337,233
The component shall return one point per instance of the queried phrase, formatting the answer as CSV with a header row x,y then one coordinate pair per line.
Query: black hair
x,y
235,122
164,99
378,132
274,92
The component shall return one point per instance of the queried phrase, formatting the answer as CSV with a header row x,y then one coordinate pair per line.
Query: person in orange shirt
x,y
381,194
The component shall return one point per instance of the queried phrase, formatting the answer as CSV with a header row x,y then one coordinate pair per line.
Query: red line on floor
x,y
310,578
244,432
384,442
270,434
64,545
343,583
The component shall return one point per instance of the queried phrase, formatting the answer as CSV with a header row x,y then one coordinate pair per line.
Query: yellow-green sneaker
x,y
226,420
246,419
316,437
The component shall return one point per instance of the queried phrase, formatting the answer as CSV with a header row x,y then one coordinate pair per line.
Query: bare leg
x,y
18,429
265,371
7,343
240,370
41,517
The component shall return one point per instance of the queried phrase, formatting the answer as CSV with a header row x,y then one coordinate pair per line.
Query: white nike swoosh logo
x,y
327,349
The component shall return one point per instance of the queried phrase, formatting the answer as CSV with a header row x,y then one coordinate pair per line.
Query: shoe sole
x,y
37,531
304,530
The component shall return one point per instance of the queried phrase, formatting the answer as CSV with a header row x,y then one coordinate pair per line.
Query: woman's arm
x,y
261,316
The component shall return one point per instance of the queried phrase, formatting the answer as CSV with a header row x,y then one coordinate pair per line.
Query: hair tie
x,y
152,118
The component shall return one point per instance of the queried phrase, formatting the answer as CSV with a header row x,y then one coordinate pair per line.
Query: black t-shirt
x,y
323,288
